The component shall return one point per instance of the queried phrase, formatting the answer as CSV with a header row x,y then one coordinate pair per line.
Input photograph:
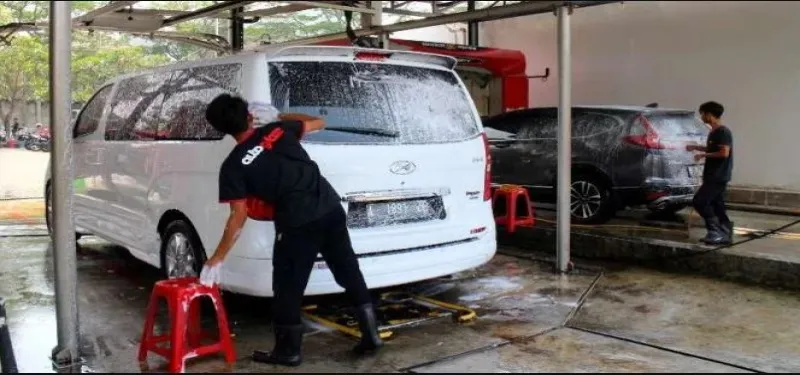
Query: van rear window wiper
x,y
365,131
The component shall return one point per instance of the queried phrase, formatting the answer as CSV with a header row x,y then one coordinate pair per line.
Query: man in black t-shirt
x,y
710,198
269,171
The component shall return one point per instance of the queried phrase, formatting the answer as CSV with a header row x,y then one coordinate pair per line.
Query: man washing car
x,y
268,164
709,201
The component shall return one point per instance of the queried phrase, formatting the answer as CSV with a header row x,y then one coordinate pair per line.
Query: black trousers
x,y
294,256
709,201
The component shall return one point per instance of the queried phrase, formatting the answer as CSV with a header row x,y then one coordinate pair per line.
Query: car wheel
x,y
48,212
591,200
182,254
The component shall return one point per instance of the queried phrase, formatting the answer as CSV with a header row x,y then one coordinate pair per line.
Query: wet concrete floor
x,y
620,319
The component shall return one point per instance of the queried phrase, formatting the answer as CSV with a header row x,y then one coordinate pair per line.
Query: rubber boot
x,y
728,229
288,344
368,324
715,234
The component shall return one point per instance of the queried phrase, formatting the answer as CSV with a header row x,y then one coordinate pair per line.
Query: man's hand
x,y
310,123
699,157
232,228
297,117
214,260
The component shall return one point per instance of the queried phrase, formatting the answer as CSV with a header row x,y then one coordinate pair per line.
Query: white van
x,y
404,148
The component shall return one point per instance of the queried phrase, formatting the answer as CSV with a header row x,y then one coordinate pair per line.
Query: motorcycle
x,y
37,143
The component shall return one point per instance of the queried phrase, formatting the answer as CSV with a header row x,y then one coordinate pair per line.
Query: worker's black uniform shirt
x,y
270,165
718,170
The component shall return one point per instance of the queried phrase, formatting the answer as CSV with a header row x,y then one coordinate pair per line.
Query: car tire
x,y
48,212
591,201
182,253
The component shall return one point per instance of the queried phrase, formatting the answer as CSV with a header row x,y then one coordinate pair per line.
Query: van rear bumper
x,y
254,276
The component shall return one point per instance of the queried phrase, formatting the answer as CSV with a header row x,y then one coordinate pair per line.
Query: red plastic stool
x,y
518,208
182,296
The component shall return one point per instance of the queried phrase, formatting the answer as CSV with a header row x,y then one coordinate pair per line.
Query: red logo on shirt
x,y
269,140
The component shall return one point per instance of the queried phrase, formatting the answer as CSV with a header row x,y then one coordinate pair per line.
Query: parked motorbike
x,y
37,143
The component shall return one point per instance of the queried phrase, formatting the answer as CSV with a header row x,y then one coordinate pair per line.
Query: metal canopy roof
x,y
139,18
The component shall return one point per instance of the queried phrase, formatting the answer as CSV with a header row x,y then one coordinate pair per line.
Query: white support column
x,y
376,19
66,354
564,138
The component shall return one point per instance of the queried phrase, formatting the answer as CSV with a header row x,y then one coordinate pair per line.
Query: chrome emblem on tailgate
x,y
402,167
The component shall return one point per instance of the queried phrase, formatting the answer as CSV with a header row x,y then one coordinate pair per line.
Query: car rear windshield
x,y
677,125
375,103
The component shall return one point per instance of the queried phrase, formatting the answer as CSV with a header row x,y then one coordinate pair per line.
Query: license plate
x,y
385,213
695,171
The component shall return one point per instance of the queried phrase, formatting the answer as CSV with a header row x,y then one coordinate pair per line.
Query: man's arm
x,y
232,190
691,148
233,227
723,153
310,123
725,139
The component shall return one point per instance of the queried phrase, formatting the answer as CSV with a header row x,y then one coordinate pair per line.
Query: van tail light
x,y
487,169
645,135
371,56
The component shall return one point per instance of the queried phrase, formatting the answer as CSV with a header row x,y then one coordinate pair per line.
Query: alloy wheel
x,y
180,257
586,199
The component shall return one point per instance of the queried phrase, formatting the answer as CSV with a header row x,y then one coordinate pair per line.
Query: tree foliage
x,y
99,56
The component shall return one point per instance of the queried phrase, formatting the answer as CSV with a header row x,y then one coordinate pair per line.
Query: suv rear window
x,y
375,103
677,125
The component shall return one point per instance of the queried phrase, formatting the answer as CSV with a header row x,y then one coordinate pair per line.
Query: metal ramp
x,y
394,310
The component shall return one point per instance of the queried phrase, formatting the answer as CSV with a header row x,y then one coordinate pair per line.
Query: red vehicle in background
x,y
495,77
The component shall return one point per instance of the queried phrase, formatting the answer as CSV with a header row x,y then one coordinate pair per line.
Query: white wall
x,y
745,55
440,34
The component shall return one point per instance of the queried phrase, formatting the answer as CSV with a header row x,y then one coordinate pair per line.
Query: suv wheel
x,y
591,201
182,254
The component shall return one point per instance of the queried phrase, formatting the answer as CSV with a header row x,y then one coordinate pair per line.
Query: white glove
x,y
263,113
210,276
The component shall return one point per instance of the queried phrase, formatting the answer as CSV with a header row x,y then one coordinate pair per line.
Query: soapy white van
x,y
404,148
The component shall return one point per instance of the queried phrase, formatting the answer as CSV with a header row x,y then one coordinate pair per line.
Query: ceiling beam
x,y
333,5
111,7
274,11
205,12
481,15
161,12
405,12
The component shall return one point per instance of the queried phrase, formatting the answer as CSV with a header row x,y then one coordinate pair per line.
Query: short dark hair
x,y
712,108
228,114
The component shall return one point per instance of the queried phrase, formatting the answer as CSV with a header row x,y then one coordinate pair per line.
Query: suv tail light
x,y
645,135
487,169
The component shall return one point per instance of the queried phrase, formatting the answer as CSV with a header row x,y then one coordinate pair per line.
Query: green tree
x,y
304,24
99,56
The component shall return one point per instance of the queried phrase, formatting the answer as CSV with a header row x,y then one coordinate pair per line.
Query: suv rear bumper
x,y
656,196
670,201
660,196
